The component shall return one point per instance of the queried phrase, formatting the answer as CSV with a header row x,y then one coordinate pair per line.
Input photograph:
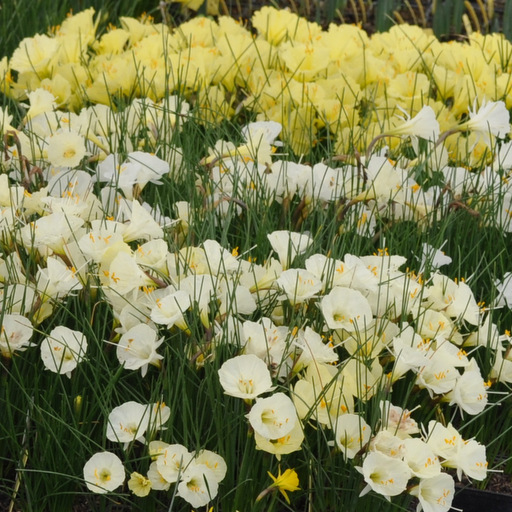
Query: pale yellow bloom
x,y
139,484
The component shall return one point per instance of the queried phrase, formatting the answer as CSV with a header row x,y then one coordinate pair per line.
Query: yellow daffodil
x,y
283,482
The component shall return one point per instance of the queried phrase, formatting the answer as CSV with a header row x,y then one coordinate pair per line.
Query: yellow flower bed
x,y
338,82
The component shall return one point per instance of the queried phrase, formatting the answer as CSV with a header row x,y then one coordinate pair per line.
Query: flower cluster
x,y
313,81
306,343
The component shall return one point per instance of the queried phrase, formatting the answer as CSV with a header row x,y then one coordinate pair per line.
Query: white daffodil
x,y
288,244
432,258
198,485
385,475
469,392
396,420
56,280
103,472
351,433
424,124
299,285
455,299
137,348
128,422
63,349
212,461
65,149
492,118
158,482
420,458
344,308
438,376
15,334
273,417
387,443
467,457
289,443
265,340
50,232
170,309
313,348
435,494
321,395
444,441
245,376
172,461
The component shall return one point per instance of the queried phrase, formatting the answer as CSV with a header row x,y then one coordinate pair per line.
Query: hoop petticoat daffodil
x,y
491,118
283,482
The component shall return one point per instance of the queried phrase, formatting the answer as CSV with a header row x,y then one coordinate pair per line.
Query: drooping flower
x,y
492,118
212,461
396,420
299,285
283,482
469,392
289,443
420,458
424,124
103,472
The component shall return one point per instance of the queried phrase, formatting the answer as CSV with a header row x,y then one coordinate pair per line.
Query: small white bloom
x,y
469,391
273,417
435,494
245,376
313,349
158,482
128,422
66,149
198,485
212,461
63,349
396,420
433,258
299,285
384,475
492,118
288,244
351,434
15,334
103,472
424,124
169,310
137,348
57,280
289,443
420,458
344,308
172,461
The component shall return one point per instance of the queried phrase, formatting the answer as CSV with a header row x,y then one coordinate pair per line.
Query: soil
x,y
500,483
